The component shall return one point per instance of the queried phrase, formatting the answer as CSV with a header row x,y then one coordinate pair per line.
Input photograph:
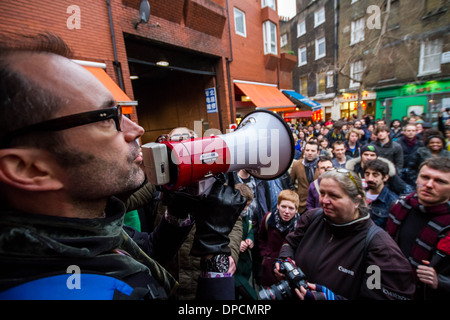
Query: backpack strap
x,y
267,219
316,184
373,230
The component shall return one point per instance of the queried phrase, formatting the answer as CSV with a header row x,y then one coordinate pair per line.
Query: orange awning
x,y
120,96
265,97
299,114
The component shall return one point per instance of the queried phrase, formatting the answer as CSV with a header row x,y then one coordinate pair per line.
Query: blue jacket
x,y
380,207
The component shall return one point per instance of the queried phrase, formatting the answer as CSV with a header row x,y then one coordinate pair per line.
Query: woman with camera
x,y
338,247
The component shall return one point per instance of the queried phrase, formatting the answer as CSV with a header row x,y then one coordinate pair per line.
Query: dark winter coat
x,y
334,256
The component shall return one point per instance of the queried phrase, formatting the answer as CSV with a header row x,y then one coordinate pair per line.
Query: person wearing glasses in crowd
x,y
324,164
68,160
337,245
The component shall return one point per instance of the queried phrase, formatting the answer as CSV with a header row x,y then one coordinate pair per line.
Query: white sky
x,y
286,8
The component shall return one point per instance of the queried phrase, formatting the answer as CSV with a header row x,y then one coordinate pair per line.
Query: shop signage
x,y
211,100
426,88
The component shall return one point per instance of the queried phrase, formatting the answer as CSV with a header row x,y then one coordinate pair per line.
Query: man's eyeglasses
x,y
68,122
346,171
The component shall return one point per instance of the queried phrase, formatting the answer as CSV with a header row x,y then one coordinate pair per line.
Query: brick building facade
x,y
192,36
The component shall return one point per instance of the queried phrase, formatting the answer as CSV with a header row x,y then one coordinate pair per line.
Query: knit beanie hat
x,y
369,147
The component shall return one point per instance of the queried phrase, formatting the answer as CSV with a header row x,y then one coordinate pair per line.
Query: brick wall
x,y
248,52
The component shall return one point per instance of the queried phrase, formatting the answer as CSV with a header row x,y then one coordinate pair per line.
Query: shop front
x,y
307,108
348,103
425,99
251,96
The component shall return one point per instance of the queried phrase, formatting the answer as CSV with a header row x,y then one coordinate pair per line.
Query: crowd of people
x,y
363,211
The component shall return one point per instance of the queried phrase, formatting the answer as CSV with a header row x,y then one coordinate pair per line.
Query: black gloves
x,y
215,217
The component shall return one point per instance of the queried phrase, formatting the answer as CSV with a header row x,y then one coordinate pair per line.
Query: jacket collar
x,y
24,234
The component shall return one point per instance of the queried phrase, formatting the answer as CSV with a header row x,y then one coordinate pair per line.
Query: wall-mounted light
x,y
134,77
163,63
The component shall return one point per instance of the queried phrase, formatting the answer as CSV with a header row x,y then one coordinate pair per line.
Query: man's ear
x,y
386,178
29,169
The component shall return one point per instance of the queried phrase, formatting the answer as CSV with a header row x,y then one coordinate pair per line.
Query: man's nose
x,y
131,130
429,183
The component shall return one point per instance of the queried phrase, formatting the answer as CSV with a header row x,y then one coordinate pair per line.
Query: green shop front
x,y
425,99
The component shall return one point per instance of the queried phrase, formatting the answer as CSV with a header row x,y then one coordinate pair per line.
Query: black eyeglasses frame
x,y
67,122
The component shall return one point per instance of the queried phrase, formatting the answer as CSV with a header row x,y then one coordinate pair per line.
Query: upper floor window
x,y
357,31
270,37
430,57
268,3
304,85
283,40
239,22
301,28
319,17
321,80
302,60
320,48
330,79
356,73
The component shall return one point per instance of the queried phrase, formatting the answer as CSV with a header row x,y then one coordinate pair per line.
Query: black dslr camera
x,y
295,278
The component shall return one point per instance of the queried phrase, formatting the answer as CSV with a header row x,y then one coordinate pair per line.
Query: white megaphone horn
x,y
262,144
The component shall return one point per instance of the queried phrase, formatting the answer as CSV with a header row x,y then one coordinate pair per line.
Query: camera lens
x,y
278,291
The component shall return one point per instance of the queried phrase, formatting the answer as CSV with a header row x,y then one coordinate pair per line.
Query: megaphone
x,y
262,144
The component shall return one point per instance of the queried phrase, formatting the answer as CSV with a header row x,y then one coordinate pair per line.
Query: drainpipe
x,y
229,60
336,48
113,38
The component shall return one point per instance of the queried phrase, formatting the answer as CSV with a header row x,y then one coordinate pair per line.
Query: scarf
x,y
428,237
410,142
310,168
283,226
52,243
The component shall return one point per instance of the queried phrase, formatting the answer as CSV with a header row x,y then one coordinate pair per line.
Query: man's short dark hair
x,y
378,166
381,128
323,158
338,142
23,101
437,163
312,142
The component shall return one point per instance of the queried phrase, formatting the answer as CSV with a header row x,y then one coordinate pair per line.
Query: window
x,y
321,79
302,60
356,72
304,86
268,3
319,17
430,57
357,33
320,48
270,37
283,40
330,79
239,22
301,28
